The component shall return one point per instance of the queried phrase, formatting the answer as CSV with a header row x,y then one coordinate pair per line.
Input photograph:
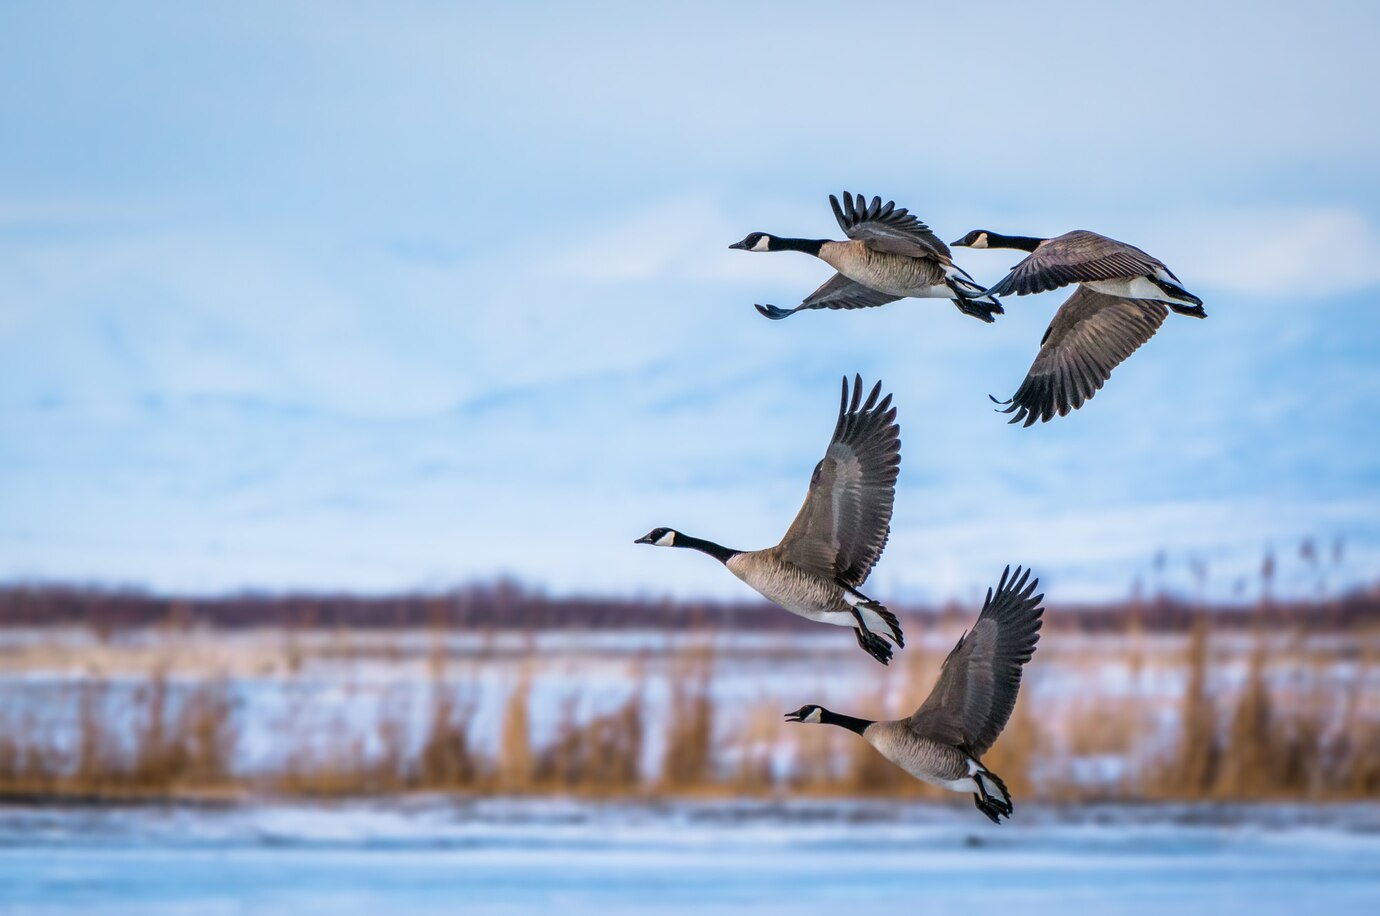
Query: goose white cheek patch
x,y
666,540
761,245
814,716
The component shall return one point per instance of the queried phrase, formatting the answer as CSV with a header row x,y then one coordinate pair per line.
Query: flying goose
x,y
943,742
1120,303
838,535
891,255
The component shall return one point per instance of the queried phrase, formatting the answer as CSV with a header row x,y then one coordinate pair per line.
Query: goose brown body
x,y
795,589
924,758
893,274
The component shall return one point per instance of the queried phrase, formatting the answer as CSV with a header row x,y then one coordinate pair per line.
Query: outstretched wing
x,y
1090,335
977,687
844,524
838,292
885,227
1075,257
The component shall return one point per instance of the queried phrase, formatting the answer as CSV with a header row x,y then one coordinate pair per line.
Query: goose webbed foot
x,y
982,311
1192,311
874,645
983,805
772,312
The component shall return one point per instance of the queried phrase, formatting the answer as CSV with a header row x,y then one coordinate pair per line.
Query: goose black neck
x,y
1022,242
809,246
717,551
848,722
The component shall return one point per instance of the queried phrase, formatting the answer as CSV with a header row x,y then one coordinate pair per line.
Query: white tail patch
x,y
960,278
874,621
1134,288
967,284
865,606
966,784
991,788
876,624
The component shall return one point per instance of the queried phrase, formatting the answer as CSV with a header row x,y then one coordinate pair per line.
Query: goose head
x,y
807,713
660,537
986,238
756,241
978,238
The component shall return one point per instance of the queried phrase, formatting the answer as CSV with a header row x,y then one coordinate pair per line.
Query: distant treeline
x,y
507,605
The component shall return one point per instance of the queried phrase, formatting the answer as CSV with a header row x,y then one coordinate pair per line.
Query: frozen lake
x,y
445,856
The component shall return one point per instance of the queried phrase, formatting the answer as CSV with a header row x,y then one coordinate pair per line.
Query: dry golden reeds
x,y
1265,717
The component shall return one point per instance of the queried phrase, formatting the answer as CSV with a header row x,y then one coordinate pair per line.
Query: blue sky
x,y
377,296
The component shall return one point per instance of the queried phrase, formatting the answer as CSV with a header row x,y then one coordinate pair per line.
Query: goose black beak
x,y
645,539
794,717
741,246
958,244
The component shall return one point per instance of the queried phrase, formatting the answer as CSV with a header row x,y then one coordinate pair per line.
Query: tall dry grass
x,y
170,739
1267,716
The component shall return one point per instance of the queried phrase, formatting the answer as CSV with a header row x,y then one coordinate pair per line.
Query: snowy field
x,y
445,856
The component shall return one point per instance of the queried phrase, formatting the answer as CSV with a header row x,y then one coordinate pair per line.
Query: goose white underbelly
x,y
961,784
1131,288
892,287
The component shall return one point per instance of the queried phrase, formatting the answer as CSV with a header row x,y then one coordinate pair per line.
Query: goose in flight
x,y
890,255
943,742
1123,297
838,536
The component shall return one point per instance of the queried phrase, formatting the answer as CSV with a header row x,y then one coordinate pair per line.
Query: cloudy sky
x,y
378,296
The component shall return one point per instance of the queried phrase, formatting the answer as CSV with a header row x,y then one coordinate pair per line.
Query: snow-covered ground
x,y
500,856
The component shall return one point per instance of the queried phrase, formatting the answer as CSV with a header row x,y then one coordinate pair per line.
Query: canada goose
x,y
891,255
943,742
1120,303
839,533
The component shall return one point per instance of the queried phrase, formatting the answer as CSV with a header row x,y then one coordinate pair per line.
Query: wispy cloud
x,y
1296,253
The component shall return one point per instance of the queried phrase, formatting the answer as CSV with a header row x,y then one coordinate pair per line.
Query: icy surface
x,y
499,856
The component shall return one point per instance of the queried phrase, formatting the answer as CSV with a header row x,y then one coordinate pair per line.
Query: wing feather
x,y
977,687
838,292
1075,257
843,526
888,228
1090,335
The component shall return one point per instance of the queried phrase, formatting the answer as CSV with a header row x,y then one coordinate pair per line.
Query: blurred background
x,y
345,349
